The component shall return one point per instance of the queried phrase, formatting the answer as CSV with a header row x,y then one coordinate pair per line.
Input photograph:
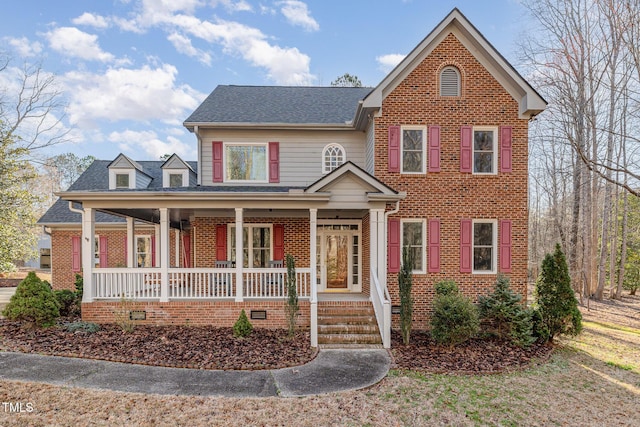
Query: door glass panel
x,y
336,255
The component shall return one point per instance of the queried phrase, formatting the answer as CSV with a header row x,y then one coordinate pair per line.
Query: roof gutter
x,y
192,126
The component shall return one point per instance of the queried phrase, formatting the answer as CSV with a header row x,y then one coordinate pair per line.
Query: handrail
x,y
381,301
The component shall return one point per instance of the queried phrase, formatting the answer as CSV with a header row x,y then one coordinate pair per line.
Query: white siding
x,y
142,180
300,151
370,148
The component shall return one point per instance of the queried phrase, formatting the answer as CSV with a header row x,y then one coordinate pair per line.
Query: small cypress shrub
x,y
556,305
242,328
455,318
292,307
33,303
405,282
68,302
503,315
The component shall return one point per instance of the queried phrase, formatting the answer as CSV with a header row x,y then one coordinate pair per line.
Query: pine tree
x,y
556,306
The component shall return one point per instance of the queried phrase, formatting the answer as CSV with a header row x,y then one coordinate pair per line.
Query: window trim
x,y
113,174
150,253
494,163
166,177
459,81
423,165
96,253
231,240
325,169
245,144
494,246
423,221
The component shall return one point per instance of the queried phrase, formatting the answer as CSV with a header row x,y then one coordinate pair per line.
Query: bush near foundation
x,y
455,318
242,328
33,303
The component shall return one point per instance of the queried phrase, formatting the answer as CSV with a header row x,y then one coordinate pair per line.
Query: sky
x,y
131,71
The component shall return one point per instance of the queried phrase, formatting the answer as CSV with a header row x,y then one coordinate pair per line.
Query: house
x,y
433,159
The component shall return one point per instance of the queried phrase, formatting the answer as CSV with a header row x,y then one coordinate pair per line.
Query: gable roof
x,y
529,100
278,105
350,168
123,159
176,162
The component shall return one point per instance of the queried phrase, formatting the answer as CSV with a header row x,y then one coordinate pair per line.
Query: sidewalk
x,y
5,296
331,371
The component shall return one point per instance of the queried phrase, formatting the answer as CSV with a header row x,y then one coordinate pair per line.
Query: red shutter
x,y
186,251
216,155
153,251
394,148
104,251
466,149
466,238
434,149
278,242
221,242
434,246
393,245
505,246
75,254
505,149
274,162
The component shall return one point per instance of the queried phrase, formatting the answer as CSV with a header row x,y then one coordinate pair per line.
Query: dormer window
x,y
450,82
122,180
176,173
333,156
175,180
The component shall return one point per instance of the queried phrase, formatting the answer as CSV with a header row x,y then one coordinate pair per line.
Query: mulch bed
x,y
476,356
197,347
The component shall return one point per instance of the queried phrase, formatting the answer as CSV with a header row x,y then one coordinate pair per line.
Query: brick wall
x,y
450,195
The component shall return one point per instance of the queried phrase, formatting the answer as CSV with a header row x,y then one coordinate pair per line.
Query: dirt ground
x,y
593,379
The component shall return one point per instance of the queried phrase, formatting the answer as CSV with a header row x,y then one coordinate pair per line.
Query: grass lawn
x,y
593,379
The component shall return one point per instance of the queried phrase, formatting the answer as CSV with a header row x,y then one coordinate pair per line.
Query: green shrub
x,y
455,318
68,302
291,307
556,305
79,283
405,283
82,326
502,314
33,302
242,328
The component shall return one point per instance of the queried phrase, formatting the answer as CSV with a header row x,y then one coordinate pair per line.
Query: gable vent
x,y
449,82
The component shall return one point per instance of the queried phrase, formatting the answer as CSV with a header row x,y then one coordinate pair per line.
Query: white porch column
x,y
382,249
156,232
239,255
373,242
164,254
131,243
88,253
313,231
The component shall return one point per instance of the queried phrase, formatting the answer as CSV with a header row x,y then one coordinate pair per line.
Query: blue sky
x,y
131,71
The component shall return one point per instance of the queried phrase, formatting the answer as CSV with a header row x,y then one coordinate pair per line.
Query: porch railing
x,y
196,283
381,301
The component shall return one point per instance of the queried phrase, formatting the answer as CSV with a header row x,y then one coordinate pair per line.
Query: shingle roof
x,y
279,104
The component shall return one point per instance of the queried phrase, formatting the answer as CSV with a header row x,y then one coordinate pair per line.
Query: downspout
x,y
76,210
386,336
386,235
199,166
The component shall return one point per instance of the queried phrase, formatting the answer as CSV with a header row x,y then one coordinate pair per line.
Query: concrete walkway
x,y
5,296
331,371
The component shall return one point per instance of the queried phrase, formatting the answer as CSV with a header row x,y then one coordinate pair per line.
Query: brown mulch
x,y
476,356
199,347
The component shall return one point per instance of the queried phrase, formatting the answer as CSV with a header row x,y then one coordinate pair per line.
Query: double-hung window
x,y
246,162
484,246
144,252
257,245
413,240
485,150
122,180
175,180
413,145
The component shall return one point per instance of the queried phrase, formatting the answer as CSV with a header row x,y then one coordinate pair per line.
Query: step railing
x,y
381,301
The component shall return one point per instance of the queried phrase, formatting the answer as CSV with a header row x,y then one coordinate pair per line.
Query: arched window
x,y
450,81
333,156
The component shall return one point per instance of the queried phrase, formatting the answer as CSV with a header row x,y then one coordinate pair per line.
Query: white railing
x,y
196,283
381,301
272,282
115,283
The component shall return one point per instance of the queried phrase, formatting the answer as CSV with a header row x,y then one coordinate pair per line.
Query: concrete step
x,y
349,339
346,320
345,311
347,329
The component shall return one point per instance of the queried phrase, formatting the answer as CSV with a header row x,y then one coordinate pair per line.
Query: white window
x,y
246,162
485,150
96,251
414,142
484,246
122,180
257,245
450,81
413,239
175,180
333,156
143,251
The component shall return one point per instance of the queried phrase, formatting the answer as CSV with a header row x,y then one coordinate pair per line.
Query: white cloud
x,y
24,47
298,14
142,94
72,42
184,46
388,62
91,20
135,142
233,6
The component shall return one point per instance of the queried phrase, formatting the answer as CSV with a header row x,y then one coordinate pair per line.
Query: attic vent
x,y
450,82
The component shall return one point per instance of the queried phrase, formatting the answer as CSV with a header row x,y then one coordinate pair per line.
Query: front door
x,y
336,261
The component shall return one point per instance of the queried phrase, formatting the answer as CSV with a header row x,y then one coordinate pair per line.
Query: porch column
x,y
88,253
313,228
131,243
156,232
382,249
164,254
373,242
239,255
